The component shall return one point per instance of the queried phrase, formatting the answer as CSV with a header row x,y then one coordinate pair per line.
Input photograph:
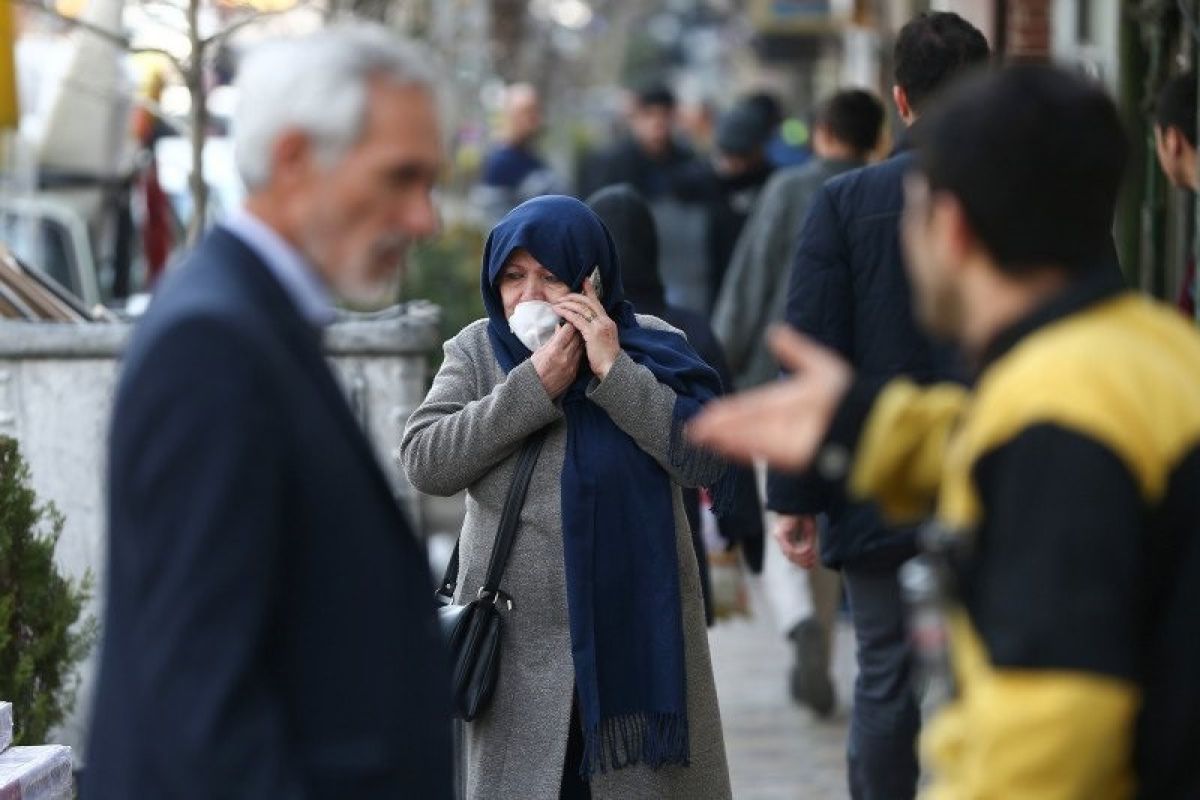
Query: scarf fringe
x,y
655,739
713,471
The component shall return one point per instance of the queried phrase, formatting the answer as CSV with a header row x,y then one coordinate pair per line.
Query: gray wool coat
x,y
466,435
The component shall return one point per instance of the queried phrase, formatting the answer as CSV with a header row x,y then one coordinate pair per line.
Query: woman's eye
x,y
553,279
512,276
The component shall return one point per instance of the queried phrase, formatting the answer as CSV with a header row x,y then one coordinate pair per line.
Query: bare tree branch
x,y
250,19
115,39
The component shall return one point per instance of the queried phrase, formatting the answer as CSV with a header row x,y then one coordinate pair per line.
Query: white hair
x,y
317,84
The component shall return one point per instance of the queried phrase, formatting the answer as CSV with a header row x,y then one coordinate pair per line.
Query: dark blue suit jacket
x,y
850,291
269,631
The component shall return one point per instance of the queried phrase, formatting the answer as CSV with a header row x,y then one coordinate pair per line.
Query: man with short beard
x,y
270,629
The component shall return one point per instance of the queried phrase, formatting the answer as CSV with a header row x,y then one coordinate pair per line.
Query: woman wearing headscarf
x,y
605,686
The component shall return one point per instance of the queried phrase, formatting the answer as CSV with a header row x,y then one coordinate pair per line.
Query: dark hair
x,y
1035,156
655,94
931,50
1176,106
852,116
768,106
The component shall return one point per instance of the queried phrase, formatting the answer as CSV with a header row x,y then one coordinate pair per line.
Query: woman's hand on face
x,y
586,313
557,361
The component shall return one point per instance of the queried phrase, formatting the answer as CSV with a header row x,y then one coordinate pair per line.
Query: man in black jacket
x,y
270,631
849,290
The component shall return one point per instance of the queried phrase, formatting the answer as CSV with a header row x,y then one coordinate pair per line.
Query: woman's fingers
x,y
588,306
576,317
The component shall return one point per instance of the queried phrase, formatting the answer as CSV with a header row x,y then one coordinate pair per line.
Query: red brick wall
x,y
1027,34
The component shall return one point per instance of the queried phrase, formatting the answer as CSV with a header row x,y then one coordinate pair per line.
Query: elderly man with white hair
x,y
270,630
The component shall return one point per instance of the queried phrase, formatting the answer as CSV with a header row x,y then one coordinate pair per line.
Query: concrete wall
x,y
56,390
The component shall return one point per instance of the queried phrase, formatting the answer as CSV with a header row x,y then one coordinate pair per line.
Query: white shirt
x,y
292,270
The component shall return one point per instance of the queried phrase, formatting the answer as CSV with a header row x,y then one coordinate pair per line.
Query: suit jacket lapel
x,y
303,340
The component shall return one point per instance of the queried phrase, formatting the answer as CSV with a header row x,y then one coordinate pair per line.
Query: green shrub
x,y
40,642
446,272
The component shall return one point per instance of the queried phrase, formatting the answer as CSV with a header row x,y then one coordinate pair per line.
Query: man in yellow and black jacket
x,y
1069,474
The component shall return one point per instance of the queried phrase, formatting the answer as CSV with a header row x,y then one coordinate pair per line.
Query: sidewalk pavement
x,y
777,750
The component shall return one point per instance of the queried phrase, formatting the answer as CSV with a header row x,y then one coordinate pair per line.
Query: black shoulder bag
x,y
473,630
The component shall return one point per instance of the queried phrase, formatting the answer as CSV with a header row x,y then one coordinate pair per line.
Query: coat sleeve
x,y
898,438
820,303
456,436
196,475
745,298
645,409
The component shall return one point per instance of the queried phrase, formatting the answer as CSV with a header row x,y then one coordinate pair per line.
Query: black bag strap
x,y
509,518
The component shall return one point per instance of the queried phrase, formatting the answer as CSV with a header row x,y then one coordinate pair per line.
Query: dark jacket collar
x,y
908,138
1079,295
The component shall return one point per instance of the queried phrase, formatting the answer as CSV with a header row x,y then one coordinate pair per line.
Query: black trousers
x,y
573,786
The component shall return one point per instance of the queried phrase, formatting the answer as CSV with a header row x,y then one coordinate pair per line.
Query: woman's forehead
x,y
523,258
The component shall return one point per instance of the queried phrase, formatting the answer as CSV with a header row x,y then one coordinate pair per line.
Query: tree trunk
x,y
199,124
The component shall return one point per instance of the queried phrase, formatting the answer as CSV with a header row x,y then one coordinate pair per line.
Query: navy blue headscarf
x,y
618,518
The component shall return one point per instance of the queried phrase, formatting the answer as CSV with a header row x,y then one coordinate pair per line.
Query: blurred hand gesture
x,y
784,423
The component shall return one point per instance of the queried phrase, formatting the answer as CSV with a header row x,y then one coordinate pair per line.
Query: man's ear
x,y
953,228
900,98
292,157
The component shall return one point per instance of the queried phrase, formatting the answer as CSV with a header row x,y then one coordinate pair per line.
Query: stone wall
x,y
56,389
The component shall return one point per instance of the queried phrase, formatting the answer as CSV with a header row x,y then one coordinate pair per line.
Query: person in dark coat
x,y
631,225
738,172
269,630
651,158
849,290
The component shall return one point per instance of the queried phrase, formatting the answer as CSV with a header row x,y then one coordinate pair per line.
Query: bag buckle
x,y
499,598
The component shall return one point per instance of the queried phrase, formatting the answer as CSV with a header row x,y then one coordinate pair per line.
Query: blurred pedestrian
x,y
1068,524
846,130
606,685
514,172
148,128
664,170
789,143
848,289
650,158
631,225
739,170
1175,143
269,629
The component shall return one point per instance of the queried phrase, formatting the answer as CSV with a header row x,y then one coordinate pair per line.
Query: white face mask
x,y
534,323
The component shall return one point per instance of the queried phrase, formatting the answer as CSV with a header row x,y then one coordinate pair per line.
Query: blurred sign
x,y
773,17
8,70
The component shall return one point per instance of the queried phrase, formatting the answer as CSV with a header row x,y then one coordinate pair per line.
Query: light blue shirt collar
x,y
292,270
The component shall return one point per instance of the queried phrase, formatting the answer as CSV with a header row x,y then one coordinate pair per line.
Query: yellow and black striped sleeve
x,y
1054,590
898,435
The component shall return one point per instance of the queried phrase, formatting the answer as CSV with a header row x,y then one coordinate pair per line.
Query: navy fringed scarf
x,y
618,520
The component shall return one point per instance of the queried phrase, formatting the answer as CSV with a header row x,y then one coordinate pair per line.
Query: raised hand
x,y
557,361
586,313
784,423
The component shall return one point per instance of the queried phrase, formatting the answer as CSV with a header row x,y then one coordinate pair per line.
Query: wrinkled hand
x,y
557,361
586,313
784,423
796,535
